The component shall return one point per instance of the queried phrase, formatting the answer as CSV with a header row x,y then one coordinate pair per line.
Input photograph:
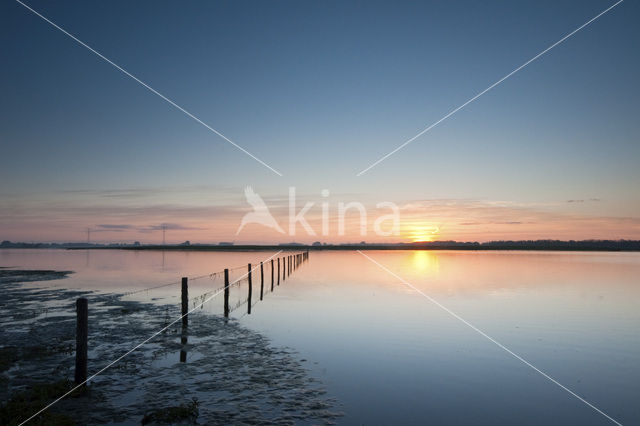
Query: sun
x,y
422,233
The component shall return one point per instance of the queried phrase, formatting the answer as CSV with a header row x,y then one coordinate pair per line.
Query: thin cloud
x,y
169,227
592,200
114,227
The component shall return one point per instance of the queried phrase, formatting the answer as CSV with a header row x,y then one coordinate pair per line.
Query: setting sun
x,y
422,233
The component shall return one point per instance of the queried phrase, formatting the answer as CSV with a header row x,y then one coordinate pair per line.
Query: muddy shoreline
x,y
235,375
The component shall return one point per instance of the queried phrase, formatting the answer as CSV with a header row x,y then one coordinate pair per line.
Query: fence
x,y
290,263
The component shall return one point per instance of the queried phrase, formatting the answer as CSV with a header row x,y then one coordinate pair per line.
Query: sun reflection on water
x,y
425,261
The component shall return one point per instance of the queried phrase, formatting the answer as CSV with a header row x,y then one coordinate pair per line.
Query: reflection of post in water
x,y
162,260
183,349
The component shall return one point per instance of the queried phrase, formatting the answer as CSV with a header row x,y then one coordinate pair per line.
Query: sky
x,y
319,91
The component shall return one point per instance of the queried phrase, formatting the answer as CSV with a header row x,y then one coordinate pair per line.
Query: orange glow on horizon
x,y
422,233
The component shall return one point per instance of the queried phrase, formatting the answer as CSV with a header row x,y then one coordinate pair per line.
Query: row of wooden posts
x,y
289,264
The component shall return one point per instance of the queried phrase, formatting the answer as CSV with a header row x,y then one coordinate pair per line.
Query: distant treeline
x,y
9,244
553,245
596,245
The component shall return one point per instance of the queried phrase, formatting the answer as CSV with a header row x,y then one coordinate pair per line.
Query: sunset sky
x,y
319,91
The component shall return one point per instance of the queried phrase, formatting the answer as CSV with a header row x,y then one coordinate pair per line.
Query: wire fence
x,y
278,268
283,266
211,275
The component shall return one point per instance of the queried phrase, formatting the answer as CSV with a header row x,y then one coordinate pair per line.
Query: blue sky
x,y
318,90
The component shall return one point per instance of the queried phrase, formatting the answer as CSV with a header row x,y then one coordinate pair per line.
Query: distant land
x,y
551,245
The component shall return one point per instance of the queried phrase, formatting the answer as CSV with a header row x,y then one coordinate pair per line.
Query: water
x,y
389,355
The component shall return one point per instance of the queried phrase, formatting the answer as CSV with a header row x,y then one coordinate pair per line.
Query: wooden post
x,y
185,302
82,334
272,275
278,271
250,290
261,280
284,269
185,318
226,293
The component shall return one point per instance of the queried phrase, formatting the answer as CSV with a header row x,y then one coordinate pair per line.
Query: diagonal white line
x,y
482,333
127,73
407,142
145,341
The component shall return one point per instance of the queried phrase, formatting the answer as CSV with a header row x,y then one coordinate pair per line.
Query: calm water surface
x,y
391,356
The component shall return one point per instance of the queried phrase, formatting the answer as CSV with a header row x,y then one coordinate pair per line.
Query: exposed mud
x,y
235,375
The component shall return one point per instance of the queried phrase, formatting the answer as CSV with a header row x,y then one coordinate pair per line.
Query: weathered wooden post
x,y
185,318
185,302
284,269
82,334
226,293
278,271
250,290
261,280
272,275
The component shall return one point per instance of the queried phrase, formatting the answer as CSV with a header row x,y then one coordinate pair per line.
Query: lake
x,y
392,354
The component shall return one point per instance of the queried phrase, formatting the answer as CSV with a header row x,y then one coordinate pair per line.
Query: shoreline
x,y
224,362
373,247
507,245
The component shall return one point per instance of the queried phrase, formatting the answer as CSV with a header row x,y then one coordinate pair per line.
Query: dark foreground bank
x,y
231,375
